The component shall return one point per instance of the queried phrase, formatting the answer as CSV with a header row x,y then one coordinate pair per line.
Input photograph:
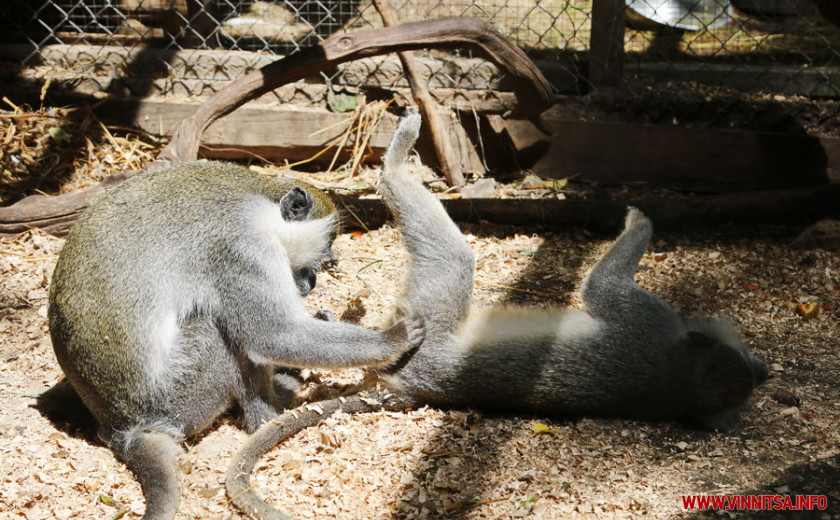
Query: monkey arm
x,y
306,342
262,317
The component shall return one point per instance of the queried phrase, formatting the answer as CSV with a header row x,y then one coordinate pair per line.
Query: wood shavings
x,y
429,463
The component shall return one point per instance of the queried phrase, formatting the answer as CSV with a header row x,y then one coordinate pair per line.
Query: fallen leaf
x,y
542,428
808,310
786,397
111,502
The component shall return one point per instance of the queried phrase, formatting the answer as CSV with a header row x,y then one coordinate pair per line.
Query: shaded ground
x,y
431,463
697,105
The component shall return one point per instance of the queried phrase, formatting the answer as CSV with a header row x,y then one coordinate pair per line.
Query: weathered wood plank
x,y
606,43
690,159
275,133
812,81
707,160
800,206
222,67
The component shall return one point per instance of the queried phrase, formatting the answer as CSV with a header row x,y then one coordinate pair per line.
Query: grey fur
x,y
629,356
177,295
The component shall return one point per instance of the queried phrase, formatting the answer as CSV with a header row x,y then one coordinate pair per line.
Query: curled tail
x,y
151,456
238,477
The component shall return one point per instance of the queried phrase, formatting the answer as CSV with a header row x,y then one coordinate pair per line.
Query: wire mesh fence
x,y
784,46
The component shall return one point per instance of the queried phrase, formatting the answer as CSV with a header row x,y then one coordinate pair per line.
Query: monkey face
x,y
722,378
305,280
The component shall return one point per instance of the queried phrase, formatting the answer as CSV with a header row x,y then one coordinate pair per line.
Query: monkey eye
x,y
699,340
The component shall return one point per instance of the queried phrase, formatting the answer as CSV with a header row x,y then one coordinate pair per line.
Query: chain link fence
x,y
776,46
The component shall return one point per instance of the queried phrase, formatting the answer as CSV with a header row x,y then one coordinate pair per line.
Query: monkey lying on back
x,y
177,294
629,356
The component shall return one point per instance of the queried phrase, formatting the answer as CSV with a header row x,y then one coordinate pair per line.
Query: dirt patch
x,y
433,463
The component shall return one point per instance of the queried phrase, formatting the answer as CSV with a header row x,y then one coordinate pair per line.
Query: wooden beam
x,y
802,81
534,94
606,43
449,161
687,159
802,206
172,72
276,133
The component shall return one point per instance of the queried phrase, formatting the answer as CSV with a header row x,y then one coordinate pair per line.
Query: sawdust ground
x,y
432,463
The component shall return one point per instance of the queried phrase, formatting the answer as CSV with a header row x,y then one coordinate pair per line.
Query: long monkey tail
x,y
238,476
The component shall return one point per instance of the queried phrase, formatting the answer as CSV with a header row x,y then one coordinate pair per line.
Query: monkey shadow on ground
x,y
815,479
63,407
551,275
481,441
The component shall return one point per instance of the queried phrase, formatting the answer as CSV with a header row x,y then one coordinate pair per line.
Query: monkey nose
x,y
760,371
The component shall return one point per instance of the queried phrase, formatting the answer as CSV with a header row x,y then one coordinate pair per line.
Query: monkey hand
x,y
325,315
405,335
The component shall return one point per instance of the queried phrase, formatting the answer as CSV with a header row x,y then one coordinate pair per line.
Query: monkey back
x,y
139,259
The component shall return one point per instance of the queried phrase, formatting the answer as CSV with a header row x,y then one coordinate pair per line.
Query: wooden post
x,y
606,43
450,162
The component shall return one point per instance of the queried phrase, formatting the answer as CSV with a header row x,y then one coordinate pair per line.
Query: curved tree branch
x,y
532,90
57,214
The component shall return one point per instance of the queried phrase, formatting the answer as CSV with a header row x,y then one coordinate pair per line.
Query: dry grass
x,y
58,150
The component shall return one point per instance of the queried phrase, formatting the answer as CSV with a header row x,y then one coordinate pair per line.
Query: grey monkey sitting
x,y
629,356
177,295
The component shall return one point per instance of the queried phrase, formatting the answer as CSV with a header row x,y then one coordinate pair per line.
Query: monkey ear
x,y
699,340
296,205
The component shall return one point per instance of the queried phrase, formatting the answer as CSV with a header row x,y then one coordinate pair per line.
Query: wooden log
x,y
450,163
686,159
800,206
274,133
54,215
801,81
533,91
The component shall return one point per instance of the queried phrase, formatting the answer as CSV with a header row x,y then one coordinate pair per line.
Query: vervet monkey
x,y
177,294
629,356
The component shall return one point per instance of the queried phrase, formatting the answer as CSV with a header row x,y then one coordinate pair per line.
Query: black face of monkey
x,y
305,280
297,205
